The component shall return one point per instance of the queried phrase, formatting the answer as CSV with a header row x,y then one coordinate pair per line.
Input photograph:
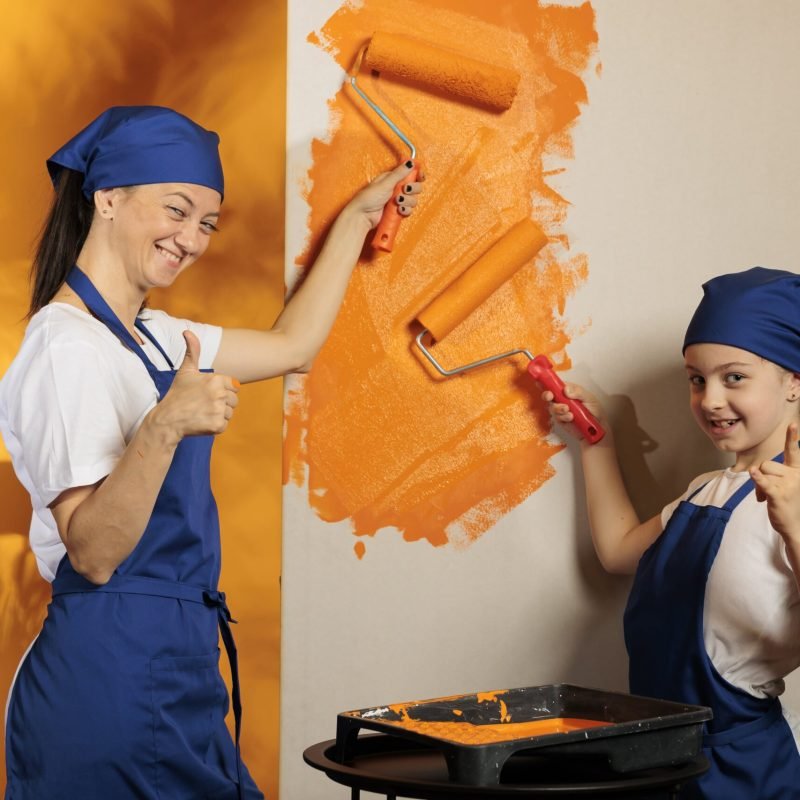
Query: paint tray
x,y
628,732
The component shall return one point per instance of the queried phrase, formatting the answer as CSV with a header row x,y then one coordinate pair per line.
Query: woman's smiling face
x,y
741,401
161,229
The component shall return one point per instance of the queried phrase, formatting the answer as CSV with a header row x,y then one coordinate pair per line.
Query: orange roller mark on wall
x,y
377,438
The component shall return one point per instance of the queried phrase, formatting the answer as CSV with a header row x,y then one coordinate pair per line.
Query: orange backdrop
x,y
224,65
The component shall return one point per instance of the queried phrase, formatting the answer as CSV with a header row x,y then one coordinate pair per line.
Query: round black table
x,y
397,767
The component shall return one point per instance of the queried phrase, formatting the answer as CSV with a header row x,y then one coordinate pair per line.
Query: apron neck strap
x,y
739,494
142,328
80,283
746,488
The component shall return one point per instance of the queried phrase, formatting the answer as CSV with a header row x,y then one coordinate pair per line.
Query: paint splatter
x,y
377,436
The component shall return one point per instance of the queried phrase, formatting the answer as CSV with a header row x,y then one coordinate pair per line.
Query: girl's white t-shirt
x,y
73,398
751,616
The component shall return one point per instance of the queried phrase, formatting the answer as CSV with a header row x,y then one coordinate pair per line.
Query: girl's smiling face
x,y
741,401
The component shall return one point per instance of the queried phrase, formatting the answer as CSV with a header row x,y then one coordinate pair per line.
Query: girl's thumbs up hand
x,y
778,485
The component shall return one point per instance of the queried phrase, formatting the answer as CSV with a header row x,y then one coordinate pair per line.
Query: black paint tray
x,y
641,732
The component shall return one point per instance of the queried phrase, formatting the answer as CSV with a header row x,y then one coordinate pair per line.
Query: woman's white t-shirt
x,y
73,398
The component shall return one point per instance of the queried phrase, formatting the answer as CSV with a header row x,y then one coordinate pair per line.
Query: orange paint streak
x,y
467,733
359,548
488,697
379,438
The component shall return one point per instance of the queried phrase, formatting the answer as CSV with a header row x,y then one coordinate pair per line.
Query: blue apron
x,y
120,696
749,744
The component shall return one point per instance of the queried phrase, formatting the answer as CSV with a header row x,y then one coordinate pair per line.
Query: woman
x,y
109,412
713,617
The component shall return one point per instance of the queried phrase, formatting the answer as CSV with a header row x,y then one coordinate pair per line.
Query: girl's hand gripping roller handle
x,y
542,371
389,223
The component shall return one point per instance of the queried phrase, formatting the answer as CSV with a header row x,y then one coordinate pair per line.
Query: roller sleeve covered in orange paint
x,y
510,253
488,85
519,245
414,60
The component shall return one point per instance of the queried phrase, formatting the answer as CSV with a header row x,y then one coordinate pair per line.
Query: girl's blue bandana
x,y
757,310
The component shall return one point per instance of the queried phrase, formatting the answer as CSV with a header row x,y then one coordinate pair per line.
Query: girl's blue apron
x,y
750,746
121,696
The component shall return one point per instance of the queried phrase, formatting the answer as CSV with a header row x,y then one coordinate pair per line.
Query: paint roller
x,y
418,62
516,248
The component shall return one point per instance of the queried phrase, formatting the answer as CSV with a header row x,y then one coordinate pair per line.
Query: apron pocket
x,y
189,703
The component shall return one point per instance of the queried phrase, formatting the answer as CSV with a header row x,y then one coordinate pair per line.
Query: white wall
x,y
685,166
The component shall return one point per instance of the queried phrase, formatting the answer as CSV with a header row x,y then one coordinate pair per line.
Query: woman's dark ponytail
x,y
63,234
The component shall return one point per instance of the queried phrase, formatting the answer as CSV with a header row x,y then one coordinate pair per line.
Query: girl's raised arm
x,y
619,536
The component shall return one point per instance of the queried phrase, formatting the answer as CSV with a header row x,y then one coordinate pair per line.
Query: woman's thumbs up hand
x,y
198,403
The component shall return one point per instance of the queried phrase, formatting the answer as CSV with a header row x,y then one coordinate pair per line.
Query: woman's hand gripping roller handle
x,y
389,224
542,371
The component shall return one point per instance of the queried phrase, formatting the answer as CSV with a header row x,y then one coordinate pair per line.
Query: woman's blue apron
x,y
121,696
749,744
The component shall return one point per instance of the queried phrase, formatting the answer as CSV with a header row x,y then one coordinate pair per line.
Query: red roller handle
x,y
389,223
542,371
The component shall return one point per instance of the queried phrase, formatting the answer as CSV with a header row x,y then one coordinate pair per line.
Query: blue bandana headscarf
x,y
757,310
132,145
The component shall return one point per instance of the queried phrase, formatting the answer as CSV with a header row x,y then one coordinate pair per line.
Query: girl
x,y
713,616
109,412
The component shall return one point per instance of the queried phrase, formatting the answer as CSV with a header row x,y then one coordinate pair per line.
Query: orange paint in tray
x,y
478,733
373,435
469,733
463,730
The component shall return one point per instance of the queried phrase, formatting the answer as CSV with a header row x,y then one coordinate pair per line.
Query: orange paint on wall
x,y
224,65
379,438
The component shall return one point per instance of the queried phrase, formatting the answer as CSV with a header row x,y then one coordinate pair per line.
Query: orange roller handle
x,y
507,255
389,223
448,72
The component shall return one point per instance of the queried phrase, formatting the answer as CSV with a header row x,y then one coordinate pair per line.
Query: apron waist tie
x,y
72,583
736,732
215,599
